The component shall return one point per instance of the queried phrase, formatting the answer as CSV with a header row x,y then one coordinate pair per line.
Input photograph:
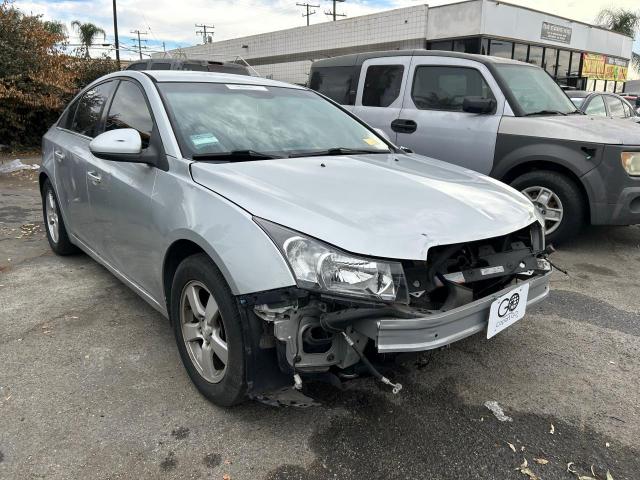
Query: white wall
x,y
456,20
388,26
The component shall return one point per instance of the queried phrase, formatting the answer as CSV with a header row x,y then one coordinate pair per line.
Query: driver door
x,y
432,122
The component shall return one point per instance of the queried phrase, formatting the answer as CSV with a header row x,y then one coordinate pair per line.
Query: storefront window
x,y
549,64
447,45
500,48
564,61
484,46
468,45
520,52
535,55
574,69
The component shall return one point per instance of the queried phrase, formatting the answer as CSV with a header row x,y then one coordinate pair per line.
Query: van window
x,y
382,85
337,83
444,88
160,65
596,107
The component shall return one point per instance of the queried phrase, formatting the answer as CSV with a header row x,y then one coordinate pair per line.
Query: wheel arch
x,y
534,165
43,177
178,251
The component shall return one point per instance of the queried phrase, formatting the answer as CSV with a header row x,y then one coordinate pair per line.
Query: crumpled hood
x,y
577,128
392,206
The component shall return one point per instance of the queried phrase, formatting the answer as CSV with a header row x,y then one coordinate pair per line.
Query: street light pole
x,y
115,32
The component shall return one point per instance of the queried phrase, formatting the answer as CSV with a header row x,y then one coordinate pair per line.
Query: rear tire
x,y
54,224
207,332
555,195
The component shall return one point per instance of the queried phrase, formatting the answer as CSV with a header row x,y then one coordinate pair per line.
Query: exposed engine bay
x,y
316,332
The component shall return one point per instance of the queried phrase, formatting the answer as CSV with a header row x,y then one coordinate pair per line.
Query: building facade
x,y
574,53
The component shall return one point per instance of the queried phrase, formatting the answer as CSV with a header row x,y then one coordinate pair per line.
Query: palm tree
x,y
56,27
626,22
88,33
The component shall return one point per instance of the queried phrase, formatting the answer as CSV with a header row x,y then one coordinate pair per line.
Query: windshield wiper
x,y
234,156
546,112
337,151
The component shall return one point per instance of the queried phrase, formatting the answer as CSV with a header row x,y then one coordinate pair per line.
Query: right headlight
x,y
322,267
631,162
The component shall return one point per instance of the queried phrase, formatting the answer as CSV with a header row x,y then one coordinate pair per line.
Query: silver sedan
x,y
282,237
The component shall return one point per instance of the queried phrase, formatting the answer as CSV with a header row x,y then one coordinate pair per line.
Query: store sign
x,y
555,33
602,67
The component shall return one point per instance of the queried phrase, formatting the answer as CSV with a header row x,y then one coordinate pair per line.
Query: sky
x,y
173,21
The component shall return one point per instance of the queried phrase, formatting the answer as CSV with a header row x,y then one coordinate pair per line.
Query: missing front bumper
x,y
441,328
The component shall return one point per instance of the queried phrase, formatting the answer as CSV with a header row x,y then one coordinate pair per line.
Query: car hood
x,y
578,128
392,206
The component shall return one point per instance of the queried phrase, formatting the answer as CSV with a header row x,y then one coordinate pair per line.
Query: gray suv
x,y
503,118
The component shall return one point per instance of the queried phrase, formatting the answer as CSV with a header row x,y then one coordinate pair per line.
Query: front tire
x,y
53,222
208,330
559,200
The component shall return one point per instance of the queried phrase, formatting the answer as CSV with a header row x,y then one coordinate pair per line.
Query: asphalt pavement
x,y
91,384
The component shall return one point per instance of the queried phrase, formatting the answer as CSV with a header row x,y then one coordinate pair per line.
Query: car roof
x,y
578,93
213,77
355,59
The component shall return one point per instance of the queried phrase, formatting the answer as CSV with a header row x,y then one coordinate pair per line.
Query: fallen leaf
x,y
522,448
571,467
609,476
552,430
529,473
525,464
512,447
541,461
607,444
226,476
586,477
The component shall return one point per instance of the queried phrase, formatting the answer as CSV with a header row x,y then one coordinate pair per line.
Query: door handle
x,y
95,177
402,125
58,155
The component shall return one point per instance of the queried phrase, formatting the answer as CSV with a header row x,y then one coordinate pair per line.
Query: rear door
x,y
380,91
432,122
72,154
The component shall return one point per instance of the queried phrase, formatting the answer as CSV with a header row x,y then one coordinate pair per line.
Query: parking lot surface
x,y
91,384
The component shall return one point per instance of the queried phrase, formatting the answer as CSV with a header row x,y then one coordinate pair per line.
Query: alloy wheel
x,y
548,204
53,222
203,331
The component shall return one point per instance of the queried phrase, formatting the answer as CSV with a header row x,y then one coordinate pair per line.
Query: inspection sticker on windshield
x,y
235,86
507,309
201,139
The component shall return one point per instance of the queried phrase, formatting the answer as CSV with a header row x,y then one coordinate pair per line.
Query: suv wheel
x,y
208,329
54,224
559,200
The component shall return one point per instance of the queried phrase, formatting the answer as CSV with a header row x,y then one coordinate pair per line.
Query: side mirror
x,y
478,105
121,145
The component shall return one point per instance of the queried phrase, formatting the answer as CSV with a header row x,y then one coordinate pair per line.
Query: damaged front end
x,y
392,306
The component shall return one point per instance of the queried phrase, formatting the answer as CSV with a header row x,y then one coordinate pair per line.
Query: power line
x,y
140,40
333,12
307,6
205,38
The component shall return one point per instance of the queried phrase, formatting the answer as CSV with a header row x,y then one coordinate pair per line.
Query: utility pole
x,y
138,32
115,33
204,31
307,6
333,12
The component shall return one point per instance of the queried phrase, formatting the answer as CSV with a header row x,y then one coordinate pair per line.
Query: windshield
x,y
534,90
213,118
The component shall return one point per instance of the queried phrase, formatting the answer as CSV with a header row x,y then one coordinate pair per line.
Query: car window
x,y
67,117
129,110
444,88
578,101
89,110
596,107
382,85
160,65
337,83
616,109
138,66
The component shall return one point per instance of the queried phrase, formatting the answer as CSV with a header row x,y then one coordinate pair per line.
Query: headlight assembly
x,y
631,162
322,267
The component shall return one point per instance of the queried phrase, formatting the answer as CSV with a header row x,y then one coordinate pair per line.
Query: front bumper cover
x,y
441,328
